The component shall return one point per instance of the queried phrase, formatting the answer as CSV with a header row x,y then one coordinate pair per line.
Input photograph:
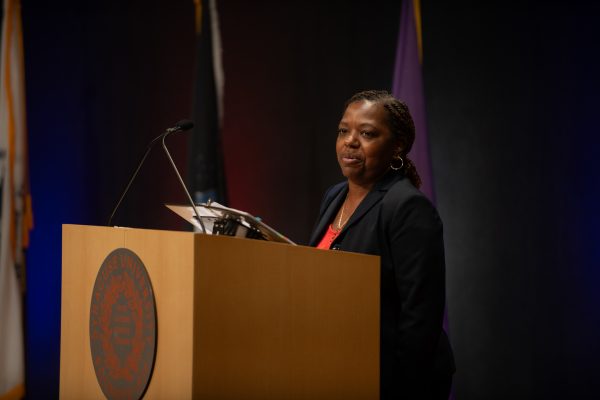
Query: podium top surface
x,y
197,236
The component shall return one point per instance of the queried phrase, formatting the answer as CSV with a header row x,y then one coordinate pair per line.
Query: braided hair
x,y
400,123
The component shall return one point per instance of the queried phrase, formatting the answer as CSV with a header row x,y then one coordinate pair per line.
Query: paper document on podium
x,y
221,220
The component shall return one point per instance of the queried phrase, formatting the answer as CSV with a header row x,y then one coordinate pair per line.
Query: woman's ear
x,y
398,147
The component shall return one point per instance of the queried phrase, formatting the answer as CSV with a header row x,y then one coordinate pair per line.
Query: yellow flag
x,y
16,217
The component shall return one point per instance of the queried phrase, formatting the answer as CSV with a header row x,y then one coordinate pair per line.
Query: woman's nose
x,y
352,139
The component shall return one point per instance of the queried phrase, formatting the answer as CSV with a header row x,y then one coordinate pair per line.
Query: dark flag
x,y
207,173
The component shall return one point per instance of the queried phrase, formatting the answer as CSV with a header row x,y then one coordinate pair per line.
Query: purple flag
x,y
408,87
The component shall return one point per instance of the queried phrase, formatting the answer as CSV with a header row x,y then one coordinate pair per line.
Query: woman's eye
x,y
368,134
342,131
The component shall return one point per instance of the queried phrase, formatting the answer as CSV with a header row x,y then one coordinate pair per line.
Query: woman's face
x,y
365,145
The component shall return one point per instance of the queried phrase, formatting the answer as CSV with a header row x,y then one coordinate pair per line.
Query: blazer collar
x,y
372,198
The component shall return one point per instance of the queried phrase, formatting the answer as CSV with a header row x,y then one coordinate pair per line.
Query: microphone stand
x,y
197,216
137,170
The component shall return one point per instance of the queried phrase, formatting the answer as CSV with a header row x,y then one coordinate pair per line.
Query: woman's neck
x,y
357,192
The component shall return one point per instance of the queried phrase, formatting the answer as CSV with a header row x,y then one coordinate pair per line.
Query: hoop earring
x,y
397,157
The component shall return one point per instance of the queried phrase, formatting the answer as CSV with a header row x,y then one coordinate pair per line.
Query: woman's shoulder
x,y
333,190
330,194
403,191
403,199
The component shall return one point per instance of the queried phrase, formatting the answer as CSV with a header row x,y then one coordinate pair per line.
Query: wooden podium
x,y
236,318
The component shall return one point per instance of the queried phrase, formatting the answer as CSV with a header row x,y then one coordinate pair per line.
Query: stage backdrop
x,y
512,92
511,96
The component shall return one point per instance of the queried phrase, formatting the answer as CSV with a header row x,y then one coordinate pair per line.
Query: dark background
x,y
511,90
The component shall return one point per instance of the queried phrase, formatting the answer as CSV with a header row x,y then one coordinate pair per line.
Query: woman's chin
x,y
350,172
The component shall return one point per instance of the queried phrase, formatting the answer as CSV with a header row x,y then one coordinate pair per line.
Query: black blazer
x,y
398,223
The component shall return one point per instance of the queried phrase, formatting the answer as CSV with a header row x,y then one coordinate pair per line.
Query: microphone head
x,y
184,125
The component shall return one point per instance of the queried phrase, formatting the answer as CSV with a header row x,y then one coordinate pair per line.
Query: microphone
x,y
187,125
183,125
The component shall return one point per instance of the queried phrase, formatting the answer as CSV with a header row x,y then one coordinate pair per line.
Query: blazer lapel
x,y
374,197
327,215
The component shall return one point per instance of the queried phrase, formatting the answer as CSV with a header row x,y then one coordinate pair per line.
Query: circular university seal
x,y
123,326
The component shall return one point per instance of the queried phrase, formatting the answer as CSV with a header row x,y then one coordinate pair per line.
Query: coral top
x,y
328,238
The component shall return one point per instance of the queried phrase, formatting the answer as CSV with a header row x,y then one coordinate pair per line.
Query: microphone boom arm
x,y
182,183
182,125
137,170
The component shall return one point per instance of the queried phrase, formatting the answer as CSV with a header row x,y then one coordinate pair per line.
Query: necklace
x,y
340,225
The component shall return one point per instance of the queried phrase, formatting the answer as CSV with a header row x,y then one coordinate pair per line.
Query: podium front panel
x,y
169,260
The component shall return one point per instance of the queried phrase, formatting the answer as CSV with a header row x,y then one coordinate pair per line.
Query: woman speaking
x,y
379,210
